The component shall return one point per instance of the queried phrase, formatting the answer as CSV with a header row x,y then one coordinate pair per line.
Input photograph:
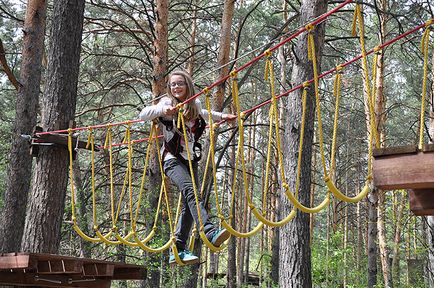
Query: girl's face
x,y
178,87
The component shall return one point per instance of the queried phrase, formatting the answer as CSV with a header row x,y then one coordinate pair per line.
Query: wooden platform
x,y
404,168
47,270
407,167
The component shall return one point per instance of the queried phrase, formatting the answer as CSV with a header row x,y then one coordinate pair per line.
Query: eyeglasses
x,y
179,84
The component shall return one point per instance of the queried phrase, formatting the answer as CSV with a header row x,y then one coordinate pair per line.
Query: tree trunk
x,y
397,240
295,257
19,169
44,217
231,268
159,71
380,103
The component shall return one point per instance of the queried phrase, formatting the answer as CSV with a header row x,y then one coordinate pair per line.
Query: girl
x,y
175,160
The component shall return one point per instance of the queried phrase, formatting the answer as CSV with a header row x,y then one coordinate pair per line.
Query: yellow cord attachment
x,y
429,22
309,27
234,74
267,53
377,50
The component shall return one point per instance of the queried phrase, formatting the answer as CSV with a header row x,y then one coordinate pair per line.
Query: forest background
x,y
376,242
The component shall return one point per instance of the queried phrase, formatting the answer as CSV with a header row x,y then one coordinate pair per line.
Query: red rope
x,y
283,42
218,82
286,93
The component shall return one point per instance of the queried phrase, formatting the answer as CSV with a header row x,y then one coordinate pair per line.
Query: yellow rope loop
x,y
268,64
425,49
425,39
88,137
310,41
71,176
109,129
306,85
357,11
339,69
180,108
310,46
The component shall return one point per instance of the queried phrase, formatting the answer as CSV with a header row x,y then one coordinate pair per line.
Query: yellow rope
x,y
71,175
424,48
196,197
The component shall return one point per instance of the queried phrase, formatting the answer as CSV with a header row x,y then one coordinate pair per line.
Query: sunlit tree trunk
x,y
46,207
380,104
19,168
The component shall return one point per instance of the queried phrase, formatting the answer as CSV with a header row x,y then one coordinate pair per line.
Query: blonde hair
x,y
190,109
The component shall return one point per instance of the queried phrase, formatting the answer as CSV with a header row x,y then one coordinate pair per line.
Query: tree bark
x,y
380,115
295,260
159,71
46,207
19,169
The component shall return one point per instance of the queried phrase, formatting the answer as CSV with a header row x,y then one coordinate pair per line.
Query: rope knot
x,y
243,115
377,50
267,53
206,91
234,74
285,186
309,27
339,68
429,22
179,106
216,125
306,85
326,179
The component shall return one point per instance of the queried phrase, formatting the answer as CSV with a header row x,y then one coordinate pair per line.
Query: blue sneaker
x,y
186,256
220,236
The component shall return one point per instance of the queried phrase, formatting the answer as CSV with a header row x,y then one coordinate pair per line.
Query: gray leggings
x,y
179,174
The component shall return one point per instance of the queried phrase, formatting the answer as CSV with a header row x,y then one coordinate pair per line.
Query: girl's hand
x,y
169,110
229,117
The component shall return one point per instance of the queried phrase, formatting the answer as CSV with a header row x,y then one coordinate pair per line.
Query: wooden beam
x,y
404,171
34,279
14,261
421,201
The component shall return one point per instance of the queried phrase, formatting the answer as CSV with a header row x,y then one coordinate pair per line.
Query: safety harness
x,y
172,143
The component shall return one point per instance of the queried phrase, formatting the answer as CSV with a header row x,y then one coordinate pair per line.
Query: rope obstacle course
x,y
129,203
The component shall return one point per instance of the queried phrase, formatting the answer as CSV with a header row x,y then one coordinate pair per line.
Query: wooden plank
x,y
129,273
61,139
33,279
404,171
421,201
60,266
13,261
407,149
428,147
98,269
